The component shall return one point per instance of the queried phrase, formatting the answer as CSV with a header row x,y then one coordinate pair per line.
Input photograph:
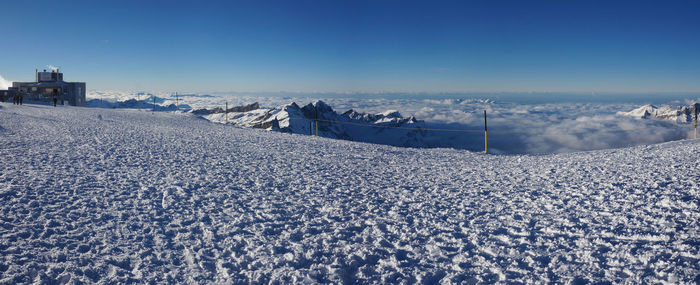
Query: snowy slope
x,y
102,195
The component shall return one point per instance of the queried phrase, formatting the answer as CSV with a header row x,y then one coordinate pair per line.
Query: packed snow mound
x,y
682,114
386,128
120,196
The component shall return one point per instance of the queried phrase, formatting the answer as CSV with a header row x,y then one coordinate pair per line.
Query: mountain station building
x,y
48,85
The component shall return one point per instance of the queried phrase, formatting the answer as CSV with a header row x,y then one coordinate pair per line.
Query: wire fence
x,y
391,127
535,132
542,132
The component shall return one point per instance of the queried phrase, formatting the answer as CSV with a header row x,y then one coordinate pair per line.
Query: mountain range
x,y
318,118
682,114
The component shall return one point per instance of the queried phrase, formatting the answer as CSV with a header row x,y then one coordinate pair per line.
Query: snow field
x,y
95,195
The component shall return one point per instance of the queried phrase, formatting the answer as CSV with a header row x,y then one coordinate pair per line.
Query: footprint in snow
x,y
167,199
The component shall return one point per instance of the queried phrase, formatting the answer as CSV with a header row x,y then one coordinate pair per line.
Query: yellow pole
x,y
316,109
486,140
696,121
486,143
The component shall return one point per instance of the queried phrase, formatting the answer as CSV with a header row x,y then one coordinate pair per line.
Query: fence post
x,y
226,112
316,107
154,103
486,140
177,102
696,121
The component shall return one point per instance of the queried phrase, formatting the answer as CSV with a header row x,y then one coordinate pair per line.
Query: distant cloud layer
x,y
513,128
4,83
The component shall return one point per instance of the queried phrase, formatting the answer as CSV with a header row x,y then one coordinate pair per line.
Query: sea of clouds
x,y
514,126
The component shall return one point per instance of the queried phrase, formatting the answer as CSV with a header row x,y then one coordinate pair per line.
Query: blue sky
x,y
358,46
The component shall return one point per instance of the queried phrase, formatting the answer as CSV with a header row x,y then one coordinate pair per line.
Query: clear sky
x,y
368,46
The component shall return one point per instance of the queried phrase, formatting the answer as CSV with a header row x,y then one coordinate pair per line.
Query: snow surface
x,y
115,195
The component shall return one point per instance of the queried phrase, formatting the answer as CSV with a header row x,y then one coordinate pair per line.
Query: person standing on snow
x,y
55,97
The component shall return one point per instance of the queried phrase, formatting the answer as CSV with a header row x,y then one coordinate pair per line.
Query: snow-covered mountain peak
x,y
642,112
321,105
681,114
391,114
383,117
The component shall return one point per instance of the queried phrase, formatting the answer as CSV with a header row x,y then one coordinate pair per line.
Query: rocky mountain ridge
x,y
318,118
682,114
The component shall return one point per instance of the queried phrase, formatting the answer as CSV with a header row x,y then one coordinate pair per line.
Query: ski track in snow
x,y
97,195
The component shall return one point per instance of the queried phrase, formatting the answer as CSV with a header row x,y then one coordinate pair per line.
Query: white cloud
x,y
4,83
513,127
